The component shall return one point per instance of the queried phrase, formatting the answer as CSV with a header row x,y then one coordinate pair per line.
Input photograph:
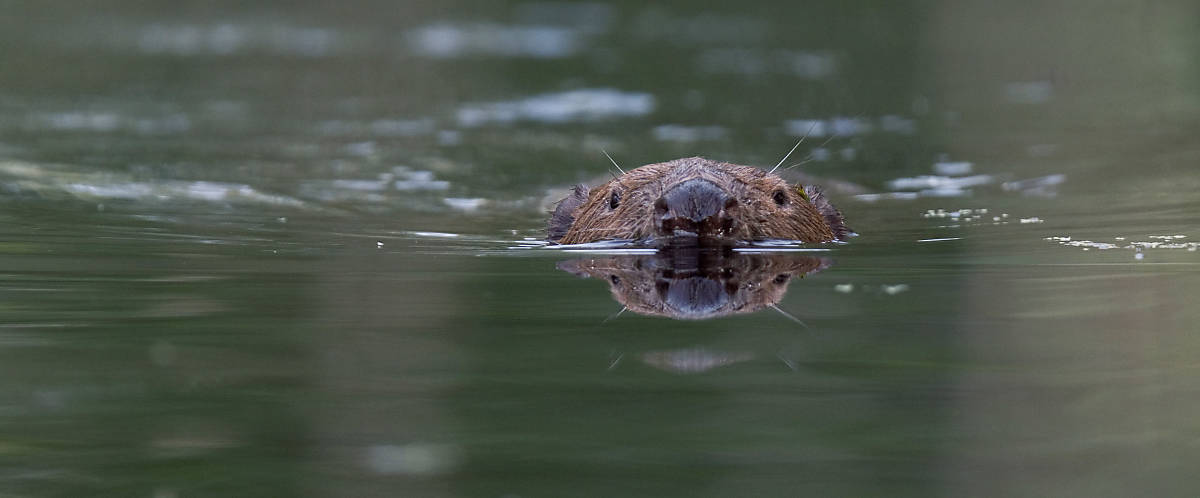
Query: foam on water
x,y
1159,242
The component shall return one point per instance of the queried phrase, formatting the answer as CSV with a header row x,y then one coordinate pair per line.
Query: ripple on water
x,y
107,122
47,180
951,179
813,65
843,126
236,38
589,104
449,41
681,133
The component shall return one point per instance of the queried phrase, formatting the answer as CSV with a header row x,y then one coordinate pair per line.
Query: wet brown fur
x,y
586,215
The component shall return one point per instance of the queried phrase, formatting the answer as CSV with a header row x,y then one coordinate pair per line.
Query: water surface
x,y
293,250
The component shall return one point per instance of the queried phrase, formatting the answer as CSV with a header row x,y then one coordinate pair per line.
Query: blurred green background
x,y
289,249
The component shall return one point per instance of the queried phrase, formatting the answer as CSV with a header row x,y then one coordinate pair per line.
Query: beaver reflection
x,y
697,282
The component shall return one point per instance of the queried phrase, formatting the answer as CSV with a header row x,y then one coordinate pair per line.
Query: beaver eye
x,y
782,278
780,197
614,279
614,201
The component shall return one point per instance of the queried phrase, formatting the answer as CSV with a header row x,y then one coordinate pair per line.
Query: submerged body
x,y
700,198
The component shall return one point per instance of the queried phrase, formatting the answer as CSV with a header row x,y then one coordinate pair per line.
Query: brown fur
x,y
587,215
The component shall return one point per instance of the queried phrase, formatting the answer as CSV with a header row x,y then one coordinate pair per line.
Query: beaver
x,y
700,198
695,283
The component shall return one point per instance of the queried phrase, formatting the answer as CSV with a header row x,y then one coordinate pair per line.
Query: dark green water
x,y
289,250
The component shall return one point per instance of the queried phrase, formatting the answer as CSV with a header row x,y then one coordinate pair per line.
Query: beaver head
x,y
696,197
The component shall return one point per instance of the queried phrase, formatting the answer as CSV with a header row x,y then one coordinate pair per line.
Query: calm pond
x,y
295,249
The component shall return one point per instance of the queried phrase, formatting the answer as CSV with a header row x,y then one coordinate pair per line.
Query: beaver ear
x,y
564,214
833,217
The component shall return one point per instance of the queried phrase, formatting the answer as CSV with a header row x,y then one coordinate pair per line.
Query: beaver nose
x,y
695,199
697,206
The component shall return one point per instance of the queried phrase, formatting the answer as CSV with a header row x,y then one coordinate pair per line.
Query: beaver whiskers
x,y
696,197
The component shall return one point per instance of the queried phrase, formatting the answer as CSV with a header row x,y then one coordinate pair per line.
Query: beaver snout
x,y
695,207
